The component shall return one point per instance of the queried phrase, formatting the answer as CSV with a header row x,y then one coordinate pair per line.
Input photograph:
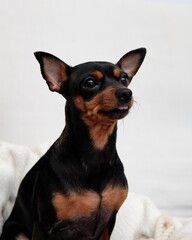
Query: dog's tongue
x,y
122,108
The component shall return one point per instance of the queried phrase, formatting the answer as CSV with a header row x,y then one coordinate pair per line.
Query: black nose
x,y
124,95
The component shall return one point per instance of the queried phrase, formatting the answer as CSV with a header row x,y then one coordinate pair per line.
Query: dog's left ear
x,y
53,70
131,61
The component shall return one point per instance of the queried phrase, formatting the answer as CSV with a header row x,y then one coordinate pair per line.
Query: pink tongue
x,y
123,108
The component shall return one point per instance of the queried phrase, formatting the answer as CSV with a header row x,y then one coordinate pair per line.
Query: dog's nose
x,y
124,95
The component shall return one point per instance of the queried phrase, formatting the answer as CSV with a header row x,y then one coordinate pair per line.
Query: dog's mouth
x,y
117,113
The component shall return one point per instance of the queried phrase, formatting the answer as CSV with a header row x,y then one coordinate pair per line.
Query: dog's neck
x,y
78,137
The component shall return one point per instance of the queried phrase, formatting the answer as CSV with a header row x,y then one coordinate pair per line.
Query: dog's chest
x,y
88,203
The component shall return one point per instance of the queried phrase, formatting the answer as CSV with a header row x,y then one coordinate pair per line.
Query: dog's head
x,y
98,89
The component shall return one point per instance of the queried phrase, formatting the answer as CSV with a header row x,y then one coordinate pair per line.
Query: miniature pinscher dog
x,y
76,189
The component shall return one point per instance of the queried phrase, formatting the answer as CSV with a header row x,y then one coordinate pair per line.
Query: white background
x,y
155,141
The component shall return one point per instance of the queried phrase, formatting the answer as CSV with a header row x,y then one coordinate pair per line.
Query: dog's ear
x,y
53,70
131,61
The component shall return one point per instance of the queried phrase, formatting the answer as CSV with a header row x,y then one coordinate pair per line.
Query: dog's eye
x,y
124,80
89,83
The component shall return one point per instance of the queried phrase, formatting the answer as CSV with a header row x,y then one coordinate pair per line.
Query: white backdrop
x,y
154,141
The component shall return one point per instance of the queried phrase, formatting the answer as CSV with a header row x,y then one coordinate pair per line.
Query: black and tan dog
x,y
75,190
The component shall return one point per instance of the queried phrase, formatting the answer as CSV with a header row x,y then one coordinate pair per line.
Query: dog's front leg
x,y
105,226
38,234
108,230
105,235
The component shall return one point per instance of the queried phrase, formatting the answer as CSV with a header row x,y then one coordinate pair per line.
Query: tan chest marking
x,y
113,197
86,203
76,204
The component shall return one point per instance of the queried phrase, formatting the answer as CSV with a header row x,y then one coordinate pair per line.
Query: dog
x,y
76,189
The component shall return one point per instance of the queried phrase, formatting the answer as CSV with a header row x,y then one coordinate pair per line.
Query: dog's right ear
x,y
132,61
53,70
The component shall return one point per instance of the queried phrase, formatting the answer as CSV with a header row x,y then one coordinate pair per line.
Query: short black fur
x,y
78,165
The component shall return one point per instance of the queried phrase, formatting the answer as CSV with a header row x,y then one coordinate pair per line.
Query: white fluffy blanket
x,y
138,219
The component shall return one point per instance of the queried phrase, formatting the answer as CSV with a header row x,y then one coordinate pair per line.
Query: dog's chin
x,y
117,113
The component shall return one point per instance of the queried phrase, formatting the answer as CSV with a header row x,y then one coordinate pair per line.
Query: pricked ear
x,y
131,61
53,70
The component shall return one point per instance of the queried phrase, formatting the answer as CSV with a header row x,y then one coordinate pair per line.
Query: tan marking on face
x,y
100,126
113,197
21,236
75,204
97,74
117,72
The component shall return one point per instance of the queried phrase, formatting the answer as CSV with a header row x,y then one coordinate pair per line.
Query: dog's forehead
x,y
88,68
